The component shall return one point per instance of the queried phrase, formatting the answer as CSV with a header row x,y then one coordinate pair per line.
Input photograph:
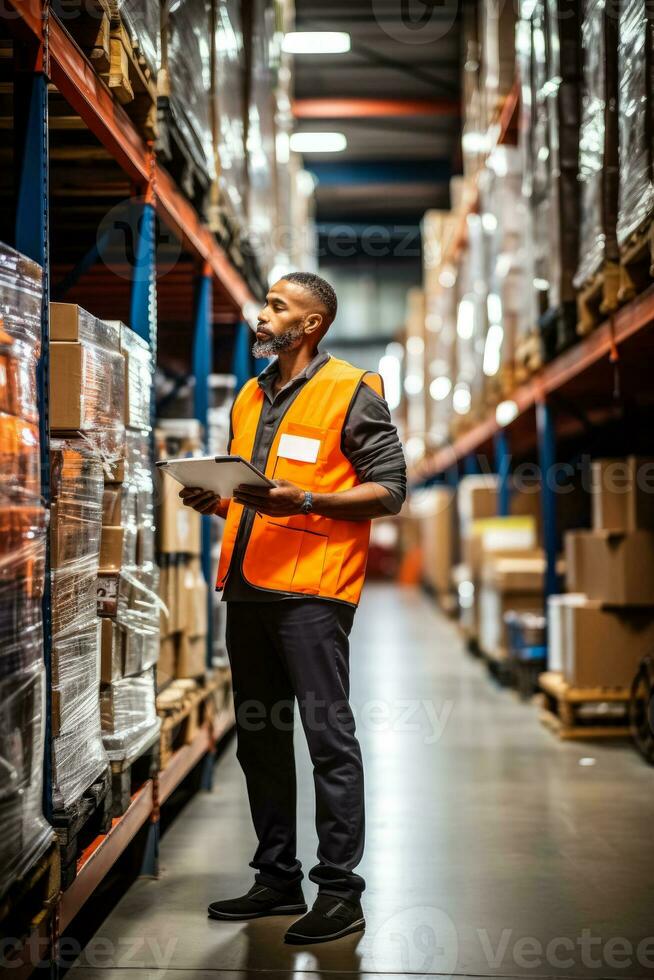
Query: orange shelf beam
x,y
636,316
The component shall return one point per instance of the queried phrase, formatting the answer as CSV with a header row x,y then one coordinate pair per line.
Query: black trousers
x,y
280,652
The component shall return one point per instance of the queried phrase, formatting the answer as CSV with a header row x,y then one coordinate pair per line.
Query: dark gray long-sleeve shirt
x,y
370,442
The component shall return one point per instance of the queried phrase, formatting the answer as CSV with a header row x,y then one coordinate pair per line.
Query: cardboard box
x,y
618,569
138,377
516,574
623,494
167,661
179,526
86,387
191,656
69,322
506,535
434,509
575,546
112,639
603,647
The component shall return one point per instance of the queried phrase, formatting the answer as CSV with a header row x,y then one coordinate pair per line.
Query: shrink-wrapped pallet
x,y
22,567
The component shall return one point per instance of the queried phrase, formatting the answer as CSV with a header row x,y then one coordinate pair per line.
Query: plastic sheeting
x,y
77,483
22,551
142,18
188,43
129,716
598,141
549,60
230,106
636,191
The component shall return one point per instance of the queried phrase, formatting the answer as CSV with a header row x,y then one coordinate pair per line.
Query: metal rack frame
x,y
46,53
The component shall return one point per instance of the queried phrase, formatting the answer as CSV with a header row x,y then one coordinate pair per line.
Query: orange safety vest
x,y
305,554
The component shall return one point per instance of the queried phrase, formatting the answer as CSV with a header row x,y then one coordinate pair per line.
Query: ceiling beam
x,y
333,108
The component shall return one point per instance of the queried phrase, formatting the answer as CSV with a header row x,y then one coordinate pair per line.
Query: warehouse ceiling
x,y
396,97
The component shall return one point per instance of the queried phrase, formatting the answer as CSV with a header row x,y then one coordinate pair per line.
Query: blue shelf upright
x,y
32,239
547,461
503,469
202,363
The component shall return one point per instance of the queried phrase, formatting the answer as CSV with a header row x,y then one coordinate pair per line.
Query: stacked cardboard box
x,y
87,394
128,600
22,552
598,146
434,510
76,486
605,625
550,71
222,396
182,587
484,593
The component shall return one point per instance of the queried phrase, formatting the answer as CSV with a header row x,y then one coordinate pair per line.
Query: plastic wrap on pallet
x,y
548,60
261,149
189,78
77,485
142,18
129,716
139,372
636,190
598,141
25,833
230,107
22,571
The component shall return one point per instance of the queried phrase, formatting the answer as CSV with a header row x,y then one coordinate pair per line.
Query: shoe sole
x,y
297,940
242,917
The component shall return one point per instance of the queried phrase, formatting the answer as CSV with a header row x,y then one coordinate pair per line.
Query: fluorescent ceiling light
x,y
318,142
316,42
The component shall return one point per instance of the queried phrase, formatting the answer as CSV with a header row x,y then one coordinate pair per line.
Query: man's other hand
x,y
282,500
204,501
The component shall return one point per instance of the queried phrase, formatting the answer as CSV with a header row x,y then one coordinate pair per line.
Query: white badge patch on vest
x,y
300,448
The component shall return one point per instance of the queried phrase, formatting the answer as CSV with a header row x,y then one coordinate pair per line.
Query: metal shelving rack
x,y
45,53
587,375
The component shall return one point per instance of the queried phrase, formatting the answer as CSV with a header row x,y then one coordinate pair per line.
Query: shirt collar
x,y
269,374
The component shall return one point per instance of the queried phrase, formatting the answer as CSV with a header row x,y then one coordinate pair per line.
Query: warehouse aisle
x,y
491,850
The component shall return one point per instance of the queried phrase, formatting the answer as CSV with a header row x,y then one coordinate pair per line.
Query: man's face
x,y
282,321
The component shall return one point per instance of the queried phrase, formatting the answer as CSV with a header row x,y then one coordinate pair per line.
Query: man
x,y
291,569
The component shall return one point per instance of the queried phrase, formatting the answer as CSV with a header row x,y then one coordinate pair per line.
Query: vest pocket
x,y
284,558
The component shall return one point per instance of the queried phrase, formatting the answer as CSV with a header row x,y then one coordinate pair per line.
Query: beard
x,y
274,345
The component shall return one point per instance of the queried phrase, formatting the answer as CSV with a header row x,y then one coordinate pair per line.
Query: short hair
x,y
319,288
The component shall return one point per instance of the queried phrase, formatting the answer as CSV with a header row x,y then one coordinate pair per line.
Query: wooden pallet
x,y
583,713
89,23
131,80
32,897
528,356
184,707
637,262
81,822
598,298
129,774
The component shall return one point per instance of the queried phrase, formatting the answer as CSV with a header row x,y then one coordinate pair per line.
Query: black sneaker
x,y
330,918
258,902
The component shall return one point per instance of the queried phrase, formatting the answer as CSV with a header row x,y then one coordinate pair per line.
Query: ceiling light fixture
x,y
318,142
316,42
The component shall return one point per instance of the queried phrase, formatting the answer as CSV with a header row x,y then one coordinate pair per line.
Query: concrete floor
x,y
492,849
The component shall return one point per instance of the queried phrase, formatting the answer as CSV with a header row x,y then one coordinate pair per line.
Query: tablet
x,y
220,474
